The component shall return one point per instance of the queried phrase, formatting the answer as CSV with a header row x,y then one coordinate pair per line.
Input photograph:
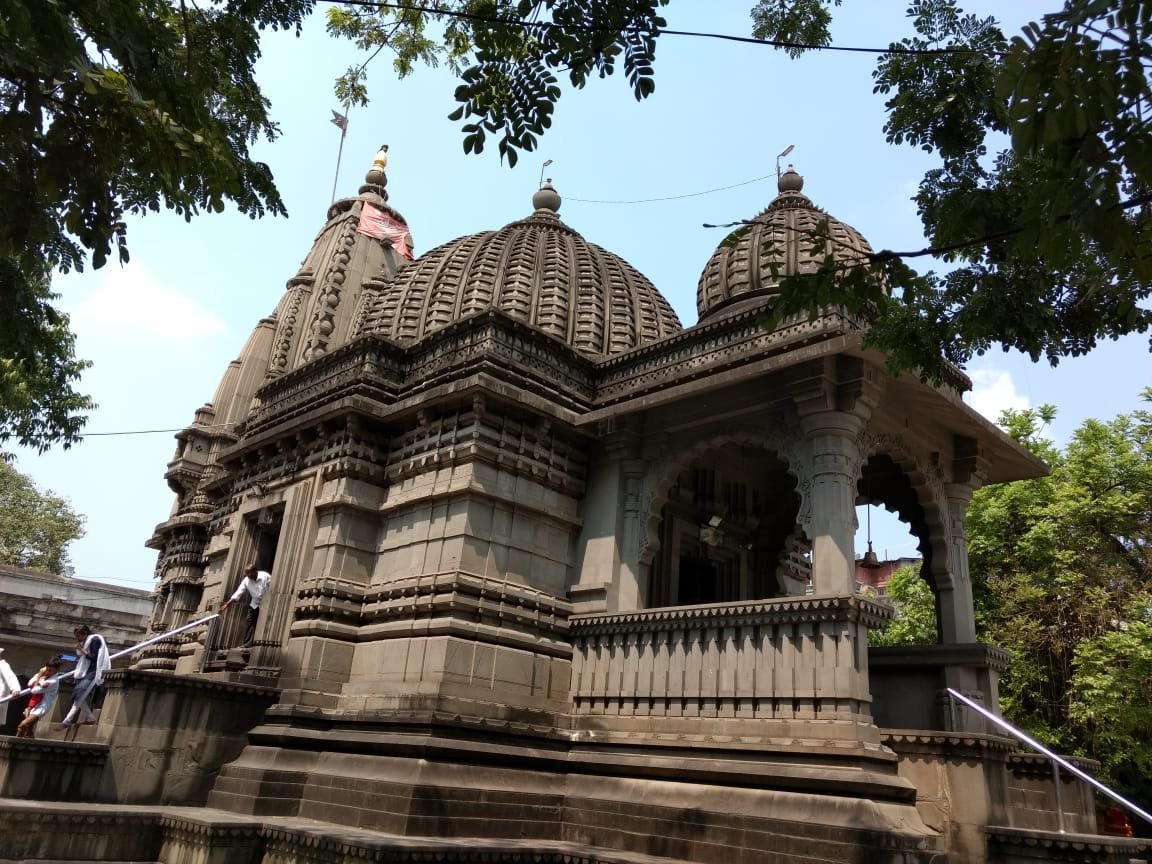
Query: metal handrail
x,y
64,676
1057,761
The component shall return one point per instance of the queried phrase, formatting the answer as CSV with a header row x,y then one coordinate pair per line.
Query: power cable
x,y
671,197
603,28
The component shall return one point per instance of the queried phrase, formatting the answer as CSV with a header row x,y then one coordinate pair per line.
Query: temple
x,y
556,578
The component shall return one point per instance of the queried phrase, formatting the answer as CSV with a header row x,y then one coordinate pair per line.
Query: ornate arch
x,y
926,482
783,439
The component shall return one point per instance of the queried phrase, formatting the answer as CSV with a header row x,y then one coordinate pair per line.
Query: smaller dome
x,y
781,241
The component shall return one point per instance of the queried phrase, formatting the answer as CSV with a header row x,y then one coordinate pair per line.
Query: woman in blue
x,y
92,662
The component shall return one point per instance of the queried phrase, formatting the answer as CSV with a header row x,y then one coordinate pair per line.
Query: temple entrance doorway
x,y
728,531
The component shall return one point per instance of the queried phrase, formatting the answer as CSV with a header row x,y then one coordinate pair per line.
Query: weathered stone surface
x,y
548,569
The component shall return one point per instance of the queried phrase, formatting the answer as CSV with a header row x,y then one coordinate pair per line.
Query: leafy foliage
x,y
806,21
915,621
107,108
35,527
1050,240
1048,243
1062,571
509,56
38,403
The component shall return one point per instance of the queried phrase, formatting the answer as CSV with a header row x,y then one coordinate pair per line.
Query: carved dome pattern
x,y
779,242
537,270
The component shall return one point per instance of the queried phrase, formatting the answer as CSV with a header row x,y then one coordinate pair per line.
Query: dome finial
x,y
546,198
375,175
789,181
376,179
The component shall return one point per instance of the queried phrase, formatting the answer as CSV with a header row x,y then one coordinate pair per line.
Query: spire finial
x,y
375,174
376,179
789,181
546,198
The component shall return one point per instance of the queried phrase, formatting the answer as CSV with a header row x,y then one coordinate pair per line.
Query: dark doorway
x,y
698,581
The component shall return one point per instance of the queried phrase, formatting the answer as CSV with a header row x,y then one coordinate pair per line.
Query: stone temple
x,y
556,578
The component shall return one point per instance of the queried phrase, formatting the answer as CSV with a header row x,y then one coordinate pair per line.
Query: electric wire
x,y
657,31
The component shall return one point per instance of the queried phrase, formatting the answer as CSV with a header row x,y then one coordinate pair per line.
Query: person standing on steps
x,y
9,685
45,685
255,583
92,661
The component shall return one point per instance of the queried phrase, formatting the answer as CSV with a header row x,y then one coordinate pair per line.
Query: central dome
x,y
537,270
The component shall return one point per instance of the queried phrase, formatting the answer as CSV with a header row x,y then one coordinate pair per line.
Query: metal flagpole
x,y
340,120
65,676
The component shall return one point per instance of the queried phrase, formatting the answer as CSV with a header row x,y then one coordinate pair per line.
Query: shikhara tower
x,y
556,576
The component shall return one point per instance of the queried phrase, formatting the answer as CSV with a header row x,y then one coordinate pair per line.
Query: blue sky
x,y
161,330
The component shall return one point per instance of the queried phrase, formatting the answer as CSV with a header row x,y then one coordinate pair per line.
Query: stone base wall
x,y
1032,795
52,770
687,805
966,783
596,829
169,735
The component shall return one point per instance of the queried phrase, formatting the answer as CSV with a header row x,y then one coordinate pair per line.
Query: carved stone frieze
x,y
706,350
780,610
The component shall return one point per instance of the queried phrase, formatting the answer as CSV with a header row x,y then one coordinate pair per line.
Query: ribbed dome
x,y
537,270
779,242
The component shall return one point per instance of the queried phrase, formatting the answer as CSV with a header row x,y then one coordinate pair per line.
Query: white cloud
x,y
993,391
130,302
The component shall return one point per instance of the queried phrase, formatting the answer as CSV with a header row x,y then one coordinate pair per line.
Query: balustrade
x,y
794,658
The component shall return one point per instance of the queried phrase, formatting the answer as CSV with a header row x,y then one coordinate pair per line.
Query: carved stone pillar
x,y
832,436
956,613
612,534
834,398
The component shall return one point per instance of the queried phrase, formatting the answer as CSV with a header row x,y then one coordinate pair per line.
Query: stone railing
x,y
791,659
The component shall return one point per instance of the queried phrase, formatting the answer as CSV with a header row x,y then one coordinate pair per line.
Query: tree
x,y
38,366
1062,576
35,527
915,621
109,108
1062,571
1049,242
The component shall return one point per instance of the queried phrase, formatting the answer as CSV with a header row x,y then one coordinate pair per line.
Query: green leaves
x,y
1062,571
800,22
35,527
509,56
110,107
915,604
1049,242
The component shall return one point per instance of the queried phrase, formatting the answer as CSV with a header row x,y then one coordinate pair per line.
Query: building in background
x,y
38,612
876,576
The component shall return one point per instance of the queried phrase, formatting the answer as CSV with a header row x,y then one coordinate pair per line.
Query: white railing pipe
x,y
66,675
1059,760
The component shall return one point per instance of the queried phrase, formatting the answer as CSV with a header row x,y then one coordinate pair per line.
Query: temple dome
x,y
779,242
537,270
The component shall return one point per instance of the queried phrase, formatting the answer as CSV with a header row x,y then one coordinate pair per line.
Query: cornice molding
x,y
780,611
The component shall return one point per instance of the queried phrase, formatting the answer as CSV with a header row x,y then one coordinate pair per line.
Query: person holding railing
x,y
255,583
45,686
92,661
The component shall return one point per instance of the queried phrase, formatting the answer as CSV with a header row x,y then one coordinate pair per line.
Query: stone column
x,y
834,398
957,616
832,436
612,533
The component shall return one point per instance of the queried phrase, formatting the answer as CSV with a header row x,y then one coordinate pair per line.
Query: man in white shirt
x,y
255,583
9,684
